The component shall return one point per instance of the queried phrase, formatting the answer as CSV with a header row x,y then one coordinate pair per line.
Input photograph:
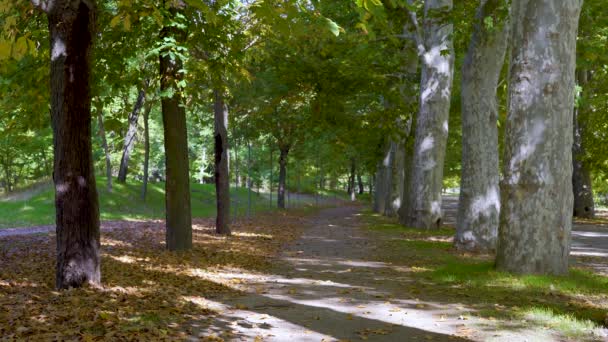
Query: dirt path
x,y
326,288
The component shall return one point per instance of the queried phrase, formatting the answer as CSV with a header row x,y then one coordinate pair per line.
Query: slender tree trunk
x,y
177,186
479,205
353,175
361,185
236,164
222,175
144,190
201,171
581,177
537,200
389,180
130,137
282,176
72,28
432,120
104,145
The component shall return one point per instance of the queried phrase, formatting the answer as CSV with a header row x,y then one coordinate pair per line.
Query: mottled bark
x,y
437,58
536,214
144,189
104,145
177,186
72,27
282,175
222,175
584,206
479,205
405,211
130,137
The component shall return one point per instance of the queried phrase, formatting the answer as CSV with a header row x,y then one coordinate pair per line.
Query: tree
x,y
479,205
131,134
72,28
436,51
177,186
537,200
222,175
581,176
104,145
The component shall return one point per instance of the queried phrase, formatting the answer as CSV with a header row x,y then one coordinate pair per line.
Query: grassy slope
x,y
124,202
574,305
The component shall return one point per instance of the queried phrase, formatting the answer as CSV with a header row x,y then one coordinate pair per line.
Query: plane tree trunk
x,y
437,56
537,200
479,205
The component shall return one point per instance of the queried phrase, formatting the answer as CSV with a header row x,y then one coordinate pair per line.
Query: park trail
x,y
327,287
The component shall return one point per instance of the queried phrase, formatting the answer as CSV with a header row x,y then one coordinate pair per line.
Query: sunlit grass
x,y
574,305
124,203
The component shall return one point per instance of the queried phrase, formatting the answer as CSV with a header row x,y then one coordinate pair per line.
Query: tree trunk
x,y
72,27
405,211
201,171
237,183
282,176
177,186
389,180
479,205
361,185
379,194
144,190
537,200
104,144
432,120
130,137
353,175
581,177
222,167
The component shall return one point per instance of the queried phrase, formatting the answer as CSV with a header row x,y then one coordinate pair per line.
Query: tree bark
x,y
361,185
130,137
282,176
389,180
104,145
237,182
352,179
584,206
432,120
177,186
144,190
380,193
405,211
222,175
72,28
479,205
537,201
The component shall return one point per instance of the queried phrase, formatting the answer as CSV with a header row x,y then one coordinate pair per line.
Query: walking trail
x,y
326,287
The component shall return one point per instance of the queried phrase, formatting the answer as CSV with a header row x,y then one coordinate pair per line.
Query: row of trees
x,y
321,98
524,213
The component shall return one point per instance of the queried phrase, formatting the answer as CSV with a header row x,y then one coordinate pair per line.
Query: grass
x,y
574,305
124,202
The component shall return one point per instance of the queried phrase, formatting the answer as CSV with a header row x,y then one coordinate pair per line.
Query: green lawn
x,y
124,202
575,305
